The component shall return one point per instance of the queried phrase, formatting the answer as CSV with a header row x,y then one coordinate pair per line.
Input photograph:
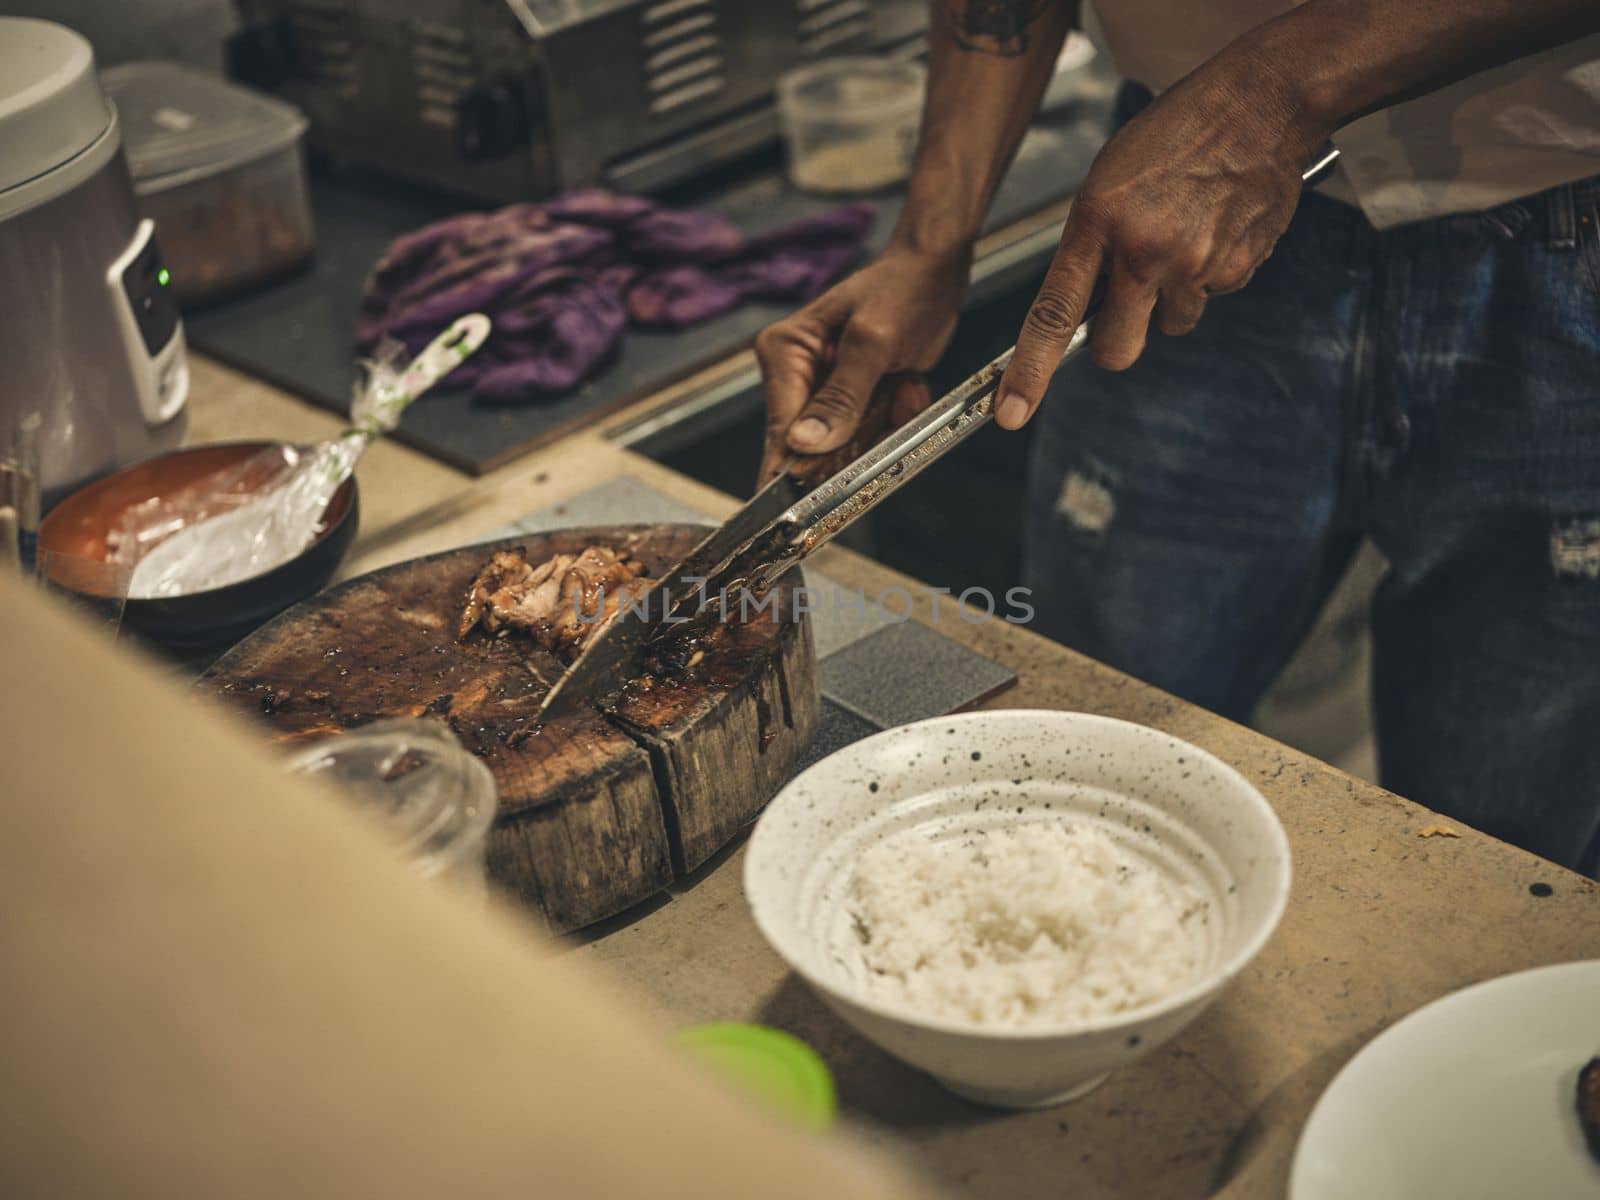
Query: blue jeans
x,y
1435,387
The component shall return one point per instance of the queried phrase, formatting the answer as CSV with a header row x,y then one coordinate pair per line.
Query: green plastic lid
x,y
779,1070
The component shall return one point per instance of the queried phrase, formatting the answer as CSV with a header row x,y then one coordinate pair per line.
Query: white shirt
x,y
1489,139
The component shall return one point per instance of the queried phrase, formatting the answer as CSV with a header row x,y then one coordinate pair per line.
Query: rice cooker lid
x,y
51,106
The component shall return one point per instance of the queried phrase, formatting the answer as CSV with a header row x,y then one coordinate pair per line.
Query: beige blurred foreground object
x,y
220,983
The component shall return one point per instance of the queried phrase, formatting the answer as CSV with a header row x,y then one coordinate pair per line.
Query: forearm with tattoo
x,y
989,62
1002,27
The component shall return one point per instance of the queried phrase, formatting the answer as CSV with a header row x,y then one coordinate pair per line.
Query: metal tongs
x,y
779,528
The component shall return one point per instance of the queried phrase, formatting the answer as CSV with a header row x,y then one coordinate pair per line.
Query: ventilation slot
x,y
827,24
442,64
683,56
324,52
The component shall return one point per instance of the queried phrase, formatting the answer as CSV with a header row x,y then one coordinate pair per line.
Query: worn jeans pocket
x,y
1588,249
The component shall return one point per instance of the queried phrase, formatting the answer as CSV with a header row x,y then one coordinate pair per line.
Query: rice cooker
x,y
90,338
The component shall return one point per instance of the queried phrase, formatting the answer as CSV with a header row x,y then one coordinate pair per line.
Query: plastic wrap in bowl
x,y
1181,811
84,524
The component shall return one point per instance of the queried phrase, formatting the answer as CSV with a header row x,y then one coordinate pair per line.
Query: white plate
x,y
1471,1096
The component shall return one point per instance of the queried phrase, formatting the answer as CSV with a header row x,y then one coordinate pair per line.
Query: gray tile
x,y
905,672
837,728
841,615
620,501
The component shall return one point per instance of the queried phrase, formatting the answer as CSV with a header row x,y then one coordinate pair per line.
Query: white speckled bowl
x,y
1184,811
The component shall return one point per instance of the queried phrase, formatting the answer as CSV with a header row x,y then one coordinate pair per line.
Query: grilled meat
x,y
561,602
1589,1104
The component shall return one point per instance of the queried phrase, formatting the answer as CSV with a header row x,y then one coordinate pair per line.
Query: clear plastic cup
x,y
19,492
436,799
851,123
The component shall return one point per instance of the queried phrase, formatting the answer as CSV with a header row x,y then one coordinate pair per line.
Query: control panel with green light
x,y
147,314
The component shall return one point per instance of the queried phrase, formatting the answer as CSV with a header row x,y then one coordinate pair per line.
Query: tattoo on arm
x,y
995,26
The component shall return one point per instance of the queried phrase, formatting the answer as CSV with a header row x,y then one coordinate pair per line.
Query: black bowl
x,y
79,526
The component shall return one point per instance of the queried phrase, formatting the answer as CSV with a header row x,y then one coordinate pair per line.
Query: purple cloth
x,y
795,262
595,206
472,272
646,230
681,296
571,322
563,280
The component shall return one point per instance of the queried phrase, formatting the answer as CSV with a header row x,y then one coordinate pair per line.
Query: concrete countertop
x,y
1383,919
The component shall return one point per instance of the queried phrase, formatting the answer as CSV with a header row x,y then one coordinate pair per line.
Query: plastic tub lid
x,y
855,88
773,1067
178,119
51,108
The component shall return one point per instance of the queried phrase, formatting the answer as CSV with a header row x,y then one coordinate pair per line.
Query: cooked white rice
x,y
1040,924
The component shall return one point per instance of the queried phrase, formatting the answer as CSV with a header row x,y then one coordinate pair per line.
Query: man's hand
x,y
822,364
989,61
1183,203
1188,199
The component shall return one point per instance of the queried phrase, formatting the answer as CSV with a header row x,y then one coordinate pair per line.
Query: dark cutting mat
x,y
298,334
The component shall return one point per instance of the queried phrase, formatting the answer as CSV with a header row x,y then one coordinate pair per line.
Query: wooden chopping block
x,y
596,813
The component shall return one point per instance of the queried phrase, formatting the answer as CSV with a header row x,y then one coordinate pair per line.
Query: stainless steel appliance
x,y
90,339
516,99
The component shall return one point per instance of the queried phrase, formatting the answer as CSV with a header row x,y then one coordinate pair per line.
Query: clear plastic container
x,y
851,123
219,168
436,799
